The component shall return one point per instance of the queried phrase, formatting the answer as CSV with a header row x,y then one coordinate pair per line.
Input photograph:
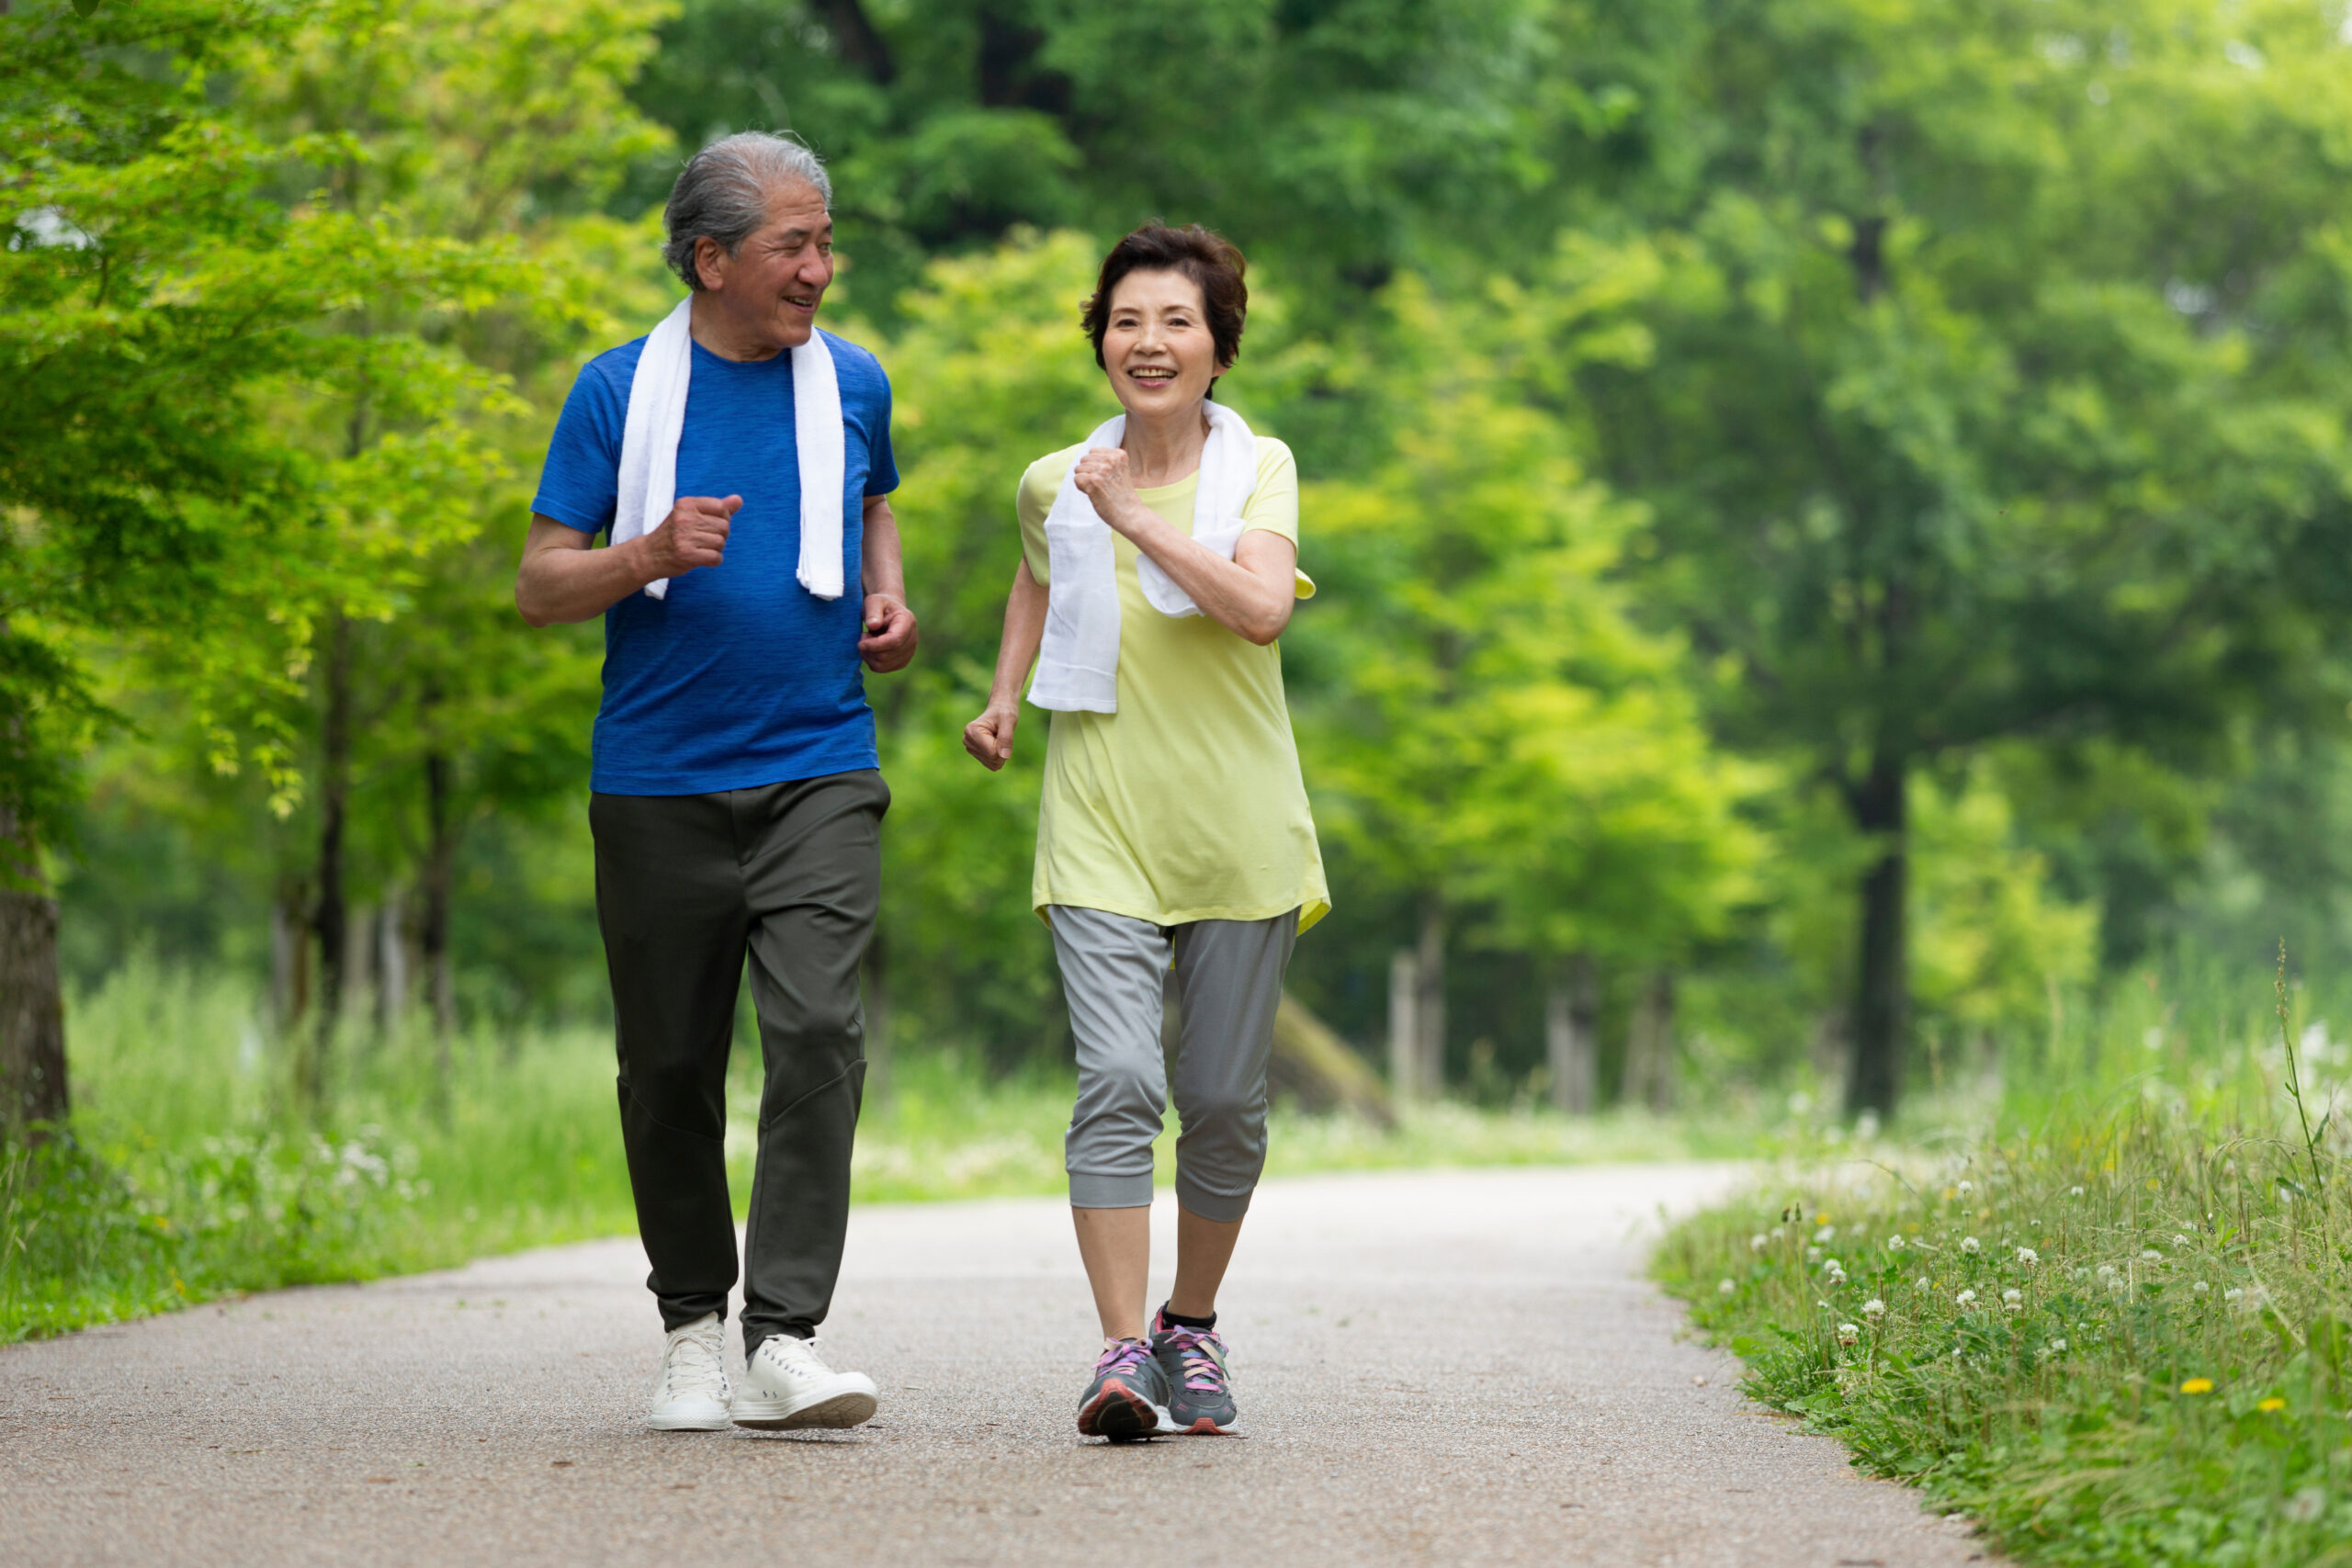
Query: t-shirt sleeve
x,y
1032,500
881,464
580,482
1273,506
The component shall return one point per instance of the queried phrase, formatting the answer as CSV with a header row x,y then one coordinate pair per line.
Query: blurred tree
x,y
1988,399
1345,137
1495,731
158,317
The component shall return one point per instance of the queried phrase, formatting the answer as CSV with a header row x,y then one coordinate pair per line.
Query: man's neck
x,y
711,325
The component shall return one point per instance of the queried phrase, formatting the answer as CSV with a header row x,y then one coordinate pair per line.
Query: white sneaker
x,y
788,1385
691,1395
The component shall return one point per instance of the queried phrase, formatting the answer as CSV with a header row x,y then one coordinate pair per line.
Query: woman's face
x,y
1157,348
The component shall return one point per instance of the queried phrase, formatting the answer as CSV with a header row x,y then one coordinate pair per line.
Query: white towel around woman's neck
x,y
657,413
1077,662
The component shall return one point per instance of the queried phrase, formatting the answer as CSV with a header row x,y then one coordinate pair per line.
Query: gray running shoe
x,y
1199,1396
1128,1397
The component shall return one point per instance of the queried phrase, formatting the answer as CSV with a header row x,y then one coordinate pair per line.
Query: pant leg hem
x,y
1090,1190
1215,1207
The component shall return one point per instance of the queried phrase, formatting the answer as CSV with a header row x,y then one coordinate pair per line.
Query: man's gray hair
x,y
723,193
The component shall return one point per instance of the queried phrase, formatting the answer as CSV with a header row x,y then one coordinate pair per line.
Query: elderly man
x,y
741,459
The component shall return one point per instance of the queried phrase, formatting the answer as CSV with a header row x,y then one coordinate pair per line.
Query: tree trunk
x,y
359,976
32,1004
1571,1036
440,880
1882,993
330,918
392,965
1404,999
1429,1012
1655,1015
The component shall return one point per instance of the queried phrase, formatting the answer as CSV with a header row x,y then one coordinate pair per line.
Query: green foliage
x,y
2165,1383
1352,139
1491,726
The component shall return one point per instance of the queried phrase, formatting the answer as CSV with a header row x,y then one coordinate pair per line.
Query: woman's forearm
x,y
1024,628
1251,595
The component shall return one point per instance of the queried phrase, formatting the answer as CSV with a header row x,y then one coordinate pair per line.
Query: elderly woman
x,y
1159,565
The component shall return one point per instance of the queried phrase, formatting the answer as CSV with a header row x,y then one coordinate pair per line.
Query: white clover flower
x,y
2013,1300
2305,1506
2074,1192
1873,1308
1779,1233
2107,1270
1969,1243
1725,1288
2028,1256
2117,1282
1848,1334
1825,1234
1757,1242
1896,1242
2058,1346
2198,1288
1965,1188
2182,1241
2150,1255
1966,1298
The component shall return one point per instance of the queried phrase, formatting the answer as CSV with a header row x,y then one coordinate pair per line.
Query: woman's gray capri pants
x,y
1229,983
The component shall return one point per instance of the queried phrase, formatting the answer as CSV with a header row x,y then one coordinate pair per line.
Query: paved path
x,y
1450,1368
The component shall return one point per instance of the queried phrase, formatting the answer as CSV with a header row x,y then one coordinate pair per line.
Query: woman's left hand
x,y
1105,478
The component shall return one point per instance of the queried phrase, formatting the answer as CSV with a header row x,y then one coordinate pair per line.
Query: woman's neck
x,y
1167,450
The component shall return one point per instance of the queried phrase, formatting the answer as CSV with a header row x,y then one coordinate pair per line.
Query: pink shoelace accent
x,y
1125,1356
1200,1353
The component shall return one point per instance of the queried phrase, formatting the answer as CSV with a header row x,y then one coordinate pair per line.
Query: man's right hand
x,y
989,737
693,535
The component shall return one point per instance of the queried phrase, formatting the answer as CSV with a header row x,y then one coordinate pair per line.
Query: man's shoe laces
x,y
691,1365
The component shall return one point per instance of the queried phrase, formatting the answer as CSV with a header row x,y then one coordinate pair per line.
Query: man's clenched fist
x,y
693,535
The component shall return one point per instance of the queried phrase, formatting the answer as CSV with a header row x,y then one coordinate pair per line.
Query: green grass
x,y
2115,1332
186,1175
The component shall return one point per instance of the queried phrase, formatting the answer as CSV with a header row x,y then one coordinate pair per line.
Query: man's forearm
x,y
561,584
881,564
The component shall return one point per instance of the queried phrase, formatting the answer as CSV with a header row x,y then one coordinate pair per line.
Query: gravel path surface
x,y
1432,1368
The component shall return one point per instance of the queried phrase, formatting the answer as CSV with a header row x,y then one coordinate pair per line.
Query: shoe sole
x,y
1120,1414
852,1409
686,1422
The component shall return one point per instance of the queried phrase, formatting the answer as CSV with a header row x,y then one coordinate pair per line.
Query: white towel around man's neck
x,y
657,413
1077,662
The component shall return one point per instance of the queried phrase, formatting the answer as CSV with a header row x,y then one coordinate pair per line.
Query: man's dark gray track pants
x,y
687,885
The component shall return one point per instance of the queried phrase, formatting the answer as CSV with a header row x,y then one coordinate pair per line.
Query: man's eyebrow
x,y
796,236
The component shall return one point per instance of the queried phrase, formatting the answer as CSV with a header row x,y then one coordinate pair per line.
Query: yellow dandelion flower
x,y
2198,1386
2273,1403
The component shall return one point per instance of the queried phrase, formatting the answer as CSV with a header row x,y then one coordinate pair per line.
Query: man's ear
x,y
710,255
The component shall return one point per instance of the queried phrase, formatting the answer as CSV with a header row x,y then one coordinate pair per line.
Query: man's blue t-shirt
x,y
741,677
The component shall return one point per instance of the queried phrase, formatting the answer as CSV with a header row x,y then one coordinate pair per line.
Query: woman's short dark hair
x,y
1207,258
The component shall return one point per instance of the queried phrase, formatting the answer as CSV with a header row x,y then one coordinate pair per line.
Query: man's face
x,y
770,288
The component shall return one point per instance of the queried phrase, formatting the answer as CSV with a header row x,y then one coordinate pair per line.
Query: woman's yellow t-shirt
x,y
1186,803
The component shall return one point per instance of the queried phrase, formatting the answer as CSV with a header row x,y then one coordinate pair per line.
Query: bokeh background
x,y
1834,520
